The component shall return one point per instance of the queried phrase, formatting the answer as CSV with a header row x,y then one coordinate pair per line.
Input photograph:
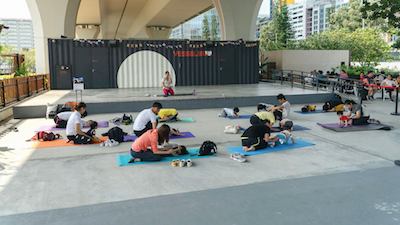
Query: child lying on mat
x,y
45,136
283,138
226,112
167,115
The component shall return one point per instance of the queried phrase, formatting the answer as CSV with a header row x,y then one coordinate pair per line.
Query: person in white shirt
x,y
389,82
146,120
283,110
75,123
227,112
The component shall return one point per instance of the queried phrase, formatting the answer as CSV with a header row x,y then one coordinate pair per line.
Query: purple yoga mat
x,y
52,127
130,138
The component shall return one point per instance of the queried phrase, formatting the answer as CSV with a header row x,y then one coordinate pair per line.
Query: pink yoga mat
x,y
52,127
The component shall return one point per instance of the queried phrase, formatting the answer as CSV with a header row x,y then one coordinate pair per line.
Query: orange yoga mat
x,y
57,143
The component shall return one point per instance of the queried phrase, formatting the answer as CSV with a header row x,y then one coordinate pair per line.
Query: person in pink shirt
x,y
343,75
145,148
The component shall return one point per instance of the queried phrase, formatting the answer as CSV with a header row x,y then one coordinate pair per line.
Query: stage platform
x,y
133,100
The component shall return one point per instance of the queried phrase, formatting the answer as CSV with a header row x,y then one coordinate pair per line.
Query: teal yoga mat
x,y
123,159
312,112
184,120
300,143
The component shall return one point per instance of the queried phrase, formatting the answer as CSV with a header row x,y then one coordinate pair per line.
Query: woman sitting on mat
x,y
168,115
75,125
145,148
167,85
257,137
357,114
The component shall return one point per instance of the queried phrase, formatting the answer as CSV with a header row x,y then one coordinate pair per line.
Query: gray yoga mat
x,y
336,127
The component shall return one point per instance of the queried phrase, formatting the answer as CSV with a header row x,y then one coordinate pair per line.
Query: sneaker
x,y
175,163
182,163
238,157
133,160
189,163
397,162
103,144
113,143
107,143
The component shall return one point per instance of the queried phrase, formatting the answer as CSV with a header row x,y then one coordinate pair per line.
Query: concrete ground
x,y
60,181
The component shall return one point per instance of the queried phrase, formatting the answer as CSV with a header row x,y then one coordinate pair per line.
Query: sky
x,y
17,9
14,9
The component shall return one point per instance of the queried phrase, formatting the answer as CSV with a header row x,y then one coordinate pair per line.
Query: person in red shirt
x,y
145,148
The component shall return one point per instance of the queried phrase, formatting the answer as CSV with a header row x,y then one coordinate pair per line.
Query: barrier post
x,y
281,77
302,80
292,78
17,88
396,112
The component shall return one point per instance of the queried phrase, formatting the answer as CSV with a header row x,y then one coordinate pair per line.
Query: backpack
x,y
115,133
208,148
41,135
304,109
127,119
51,111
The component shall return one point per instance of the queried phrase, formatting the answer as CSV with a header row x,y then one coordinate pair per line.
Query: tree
x,y
214,28
283,26
368,46
29,60
351,18
277,34
382,9
206,29
365,45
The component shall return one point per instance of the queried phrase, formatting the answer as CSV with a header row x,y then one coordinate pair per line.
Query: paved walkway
x,y
48,179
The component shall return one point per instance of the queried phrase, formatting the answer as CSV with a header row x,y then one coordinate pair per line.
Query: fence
x,y
314,81
16,89
346,88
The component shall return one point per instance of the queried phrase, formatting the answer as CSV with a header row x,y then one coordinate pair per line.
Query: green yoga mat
x,y
123,159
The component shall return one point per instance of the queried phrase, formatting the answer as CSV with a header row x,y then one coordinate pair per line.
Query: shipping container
x,y
142,63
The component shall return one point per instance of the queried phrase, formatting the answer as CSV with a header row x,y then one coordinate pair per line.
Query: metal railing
x,y
16,89
349,87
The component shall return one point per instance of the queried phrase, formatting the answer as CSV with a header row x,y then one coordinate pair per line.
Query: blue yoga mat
x,y
123,159
312,112
299,144
245,116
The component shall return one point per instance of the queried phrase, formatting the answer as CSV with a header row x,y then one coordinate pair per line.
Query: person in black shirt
x,y
256,137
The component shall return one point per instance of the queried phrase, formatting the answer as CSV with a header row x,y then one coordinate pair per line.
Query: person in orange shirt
x,y
145,148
